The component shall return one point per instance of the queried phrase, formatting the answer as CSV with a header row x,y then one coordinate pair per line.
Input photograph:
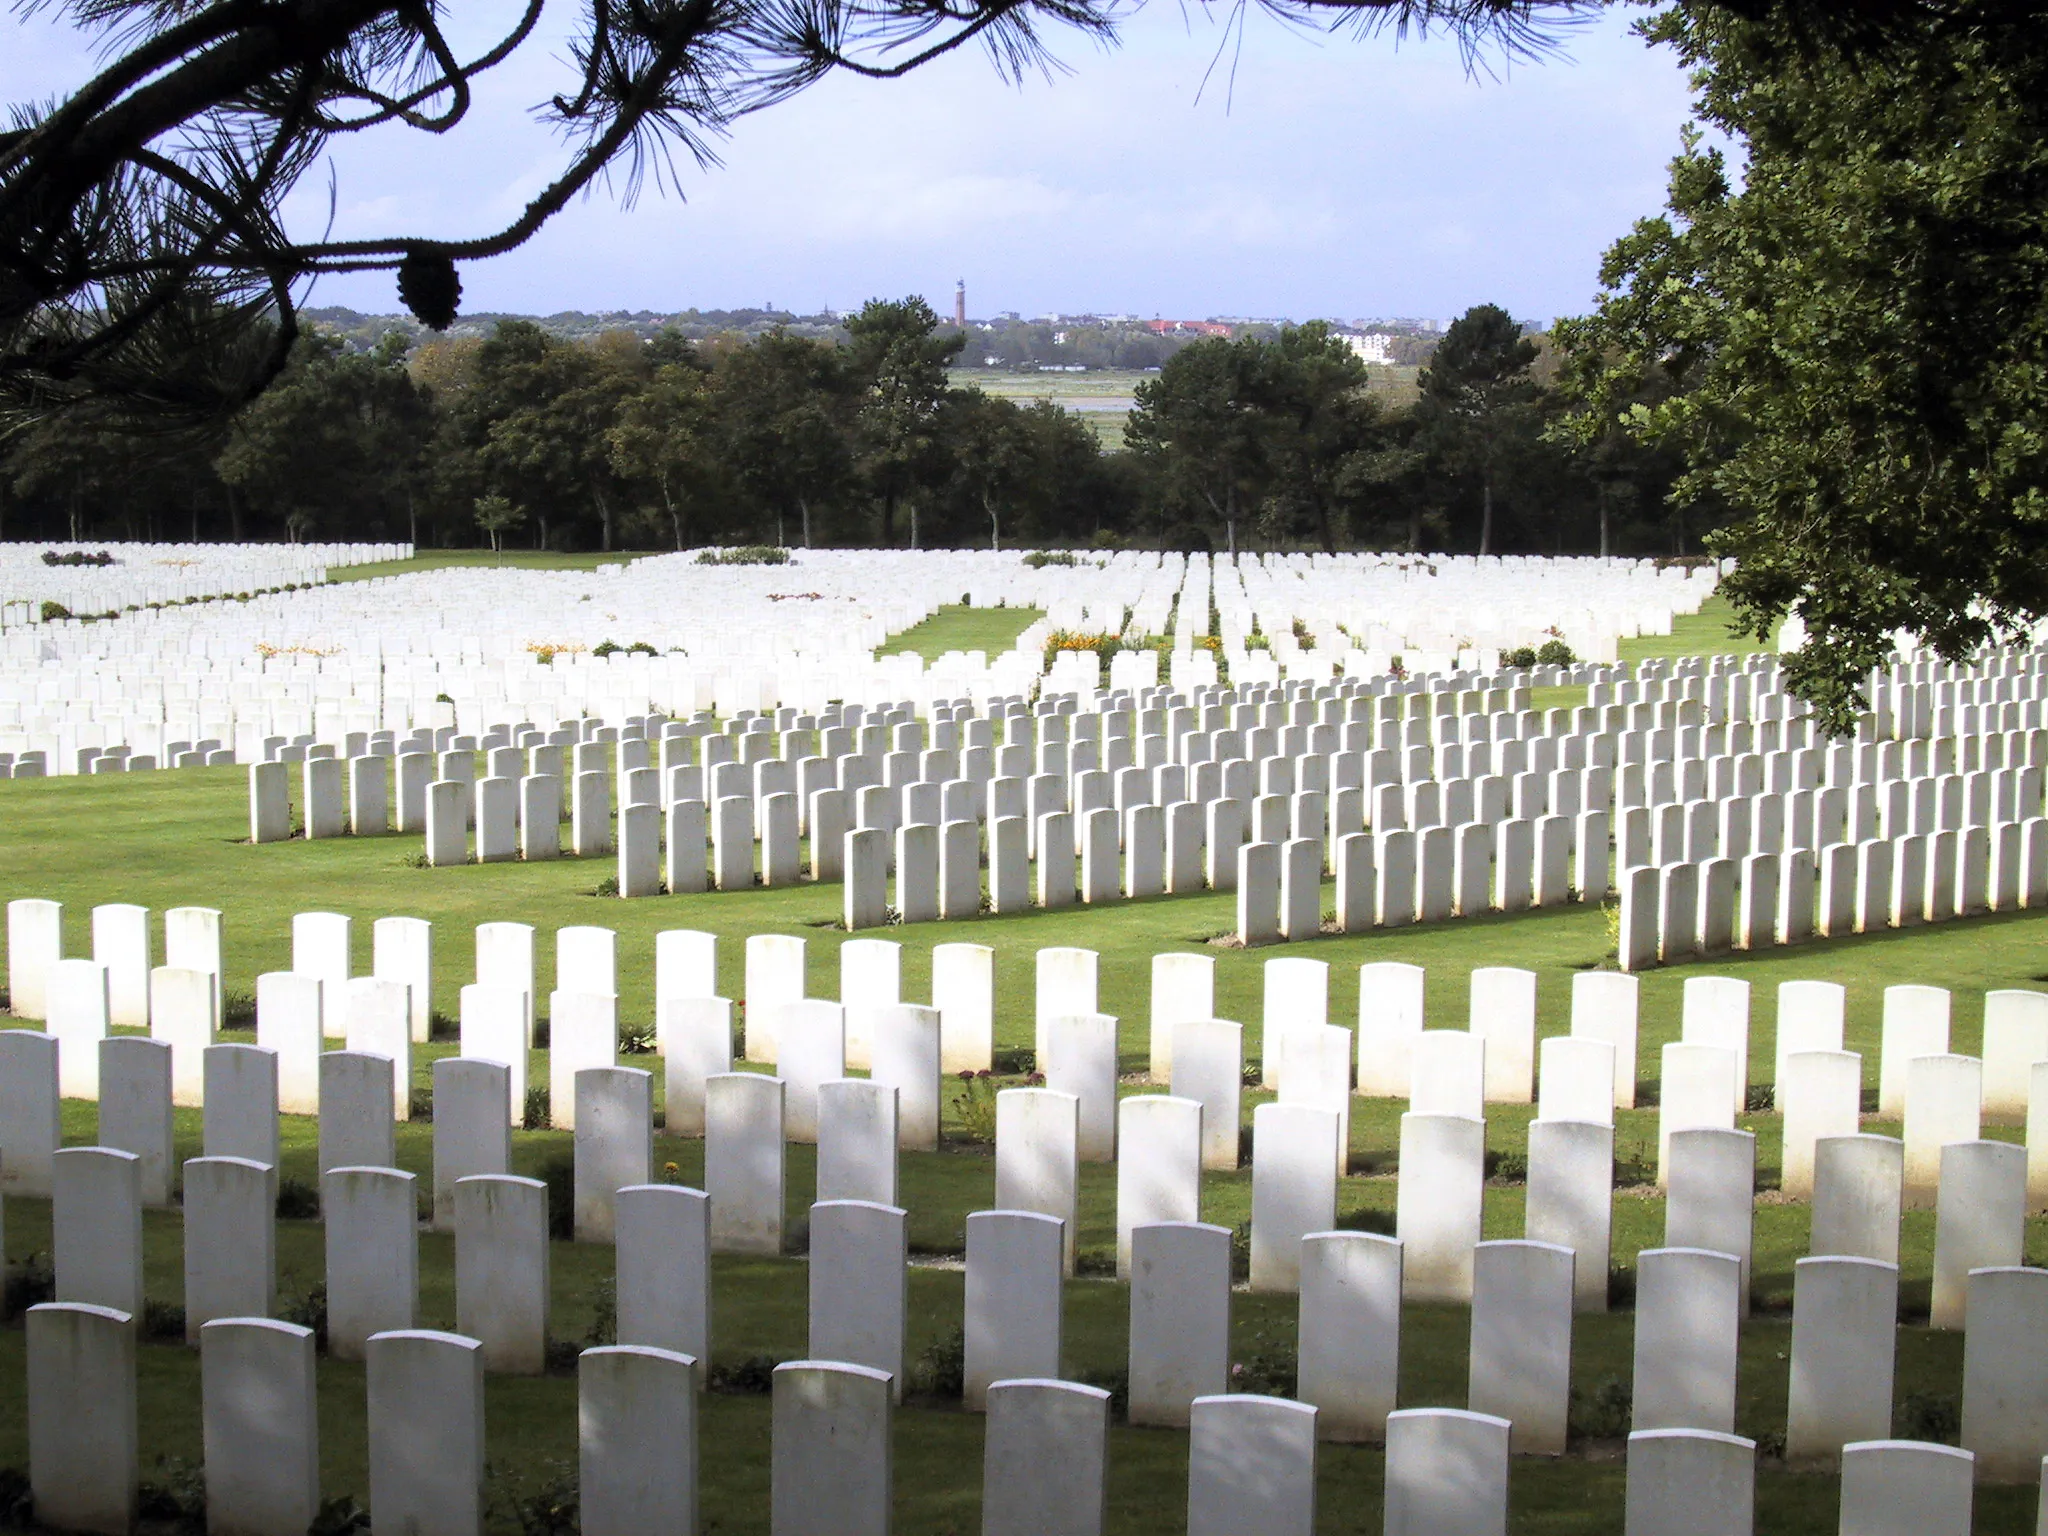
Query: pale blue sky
x,y
1338,178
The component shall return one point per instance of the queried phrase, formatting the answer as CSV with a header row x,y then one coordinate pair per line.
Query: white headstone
x,y
1906,1488
637,1461
1570,1200
743,1162
81,1413
1604,1008
859,1254
501,1270
135,1110
1447,1473
614,1144
1979,1221
1844,1315
1857,1182
1390,1016
1159,1166
1251,1467
1037,1164
1014,1299
288,1023
1520,1362
663,1270
96,1227
1915,1024
2005,1373
831,1467
1688,1314
1180,1319
1033,1425
372,1228
1349,1346
426,1431
1689,1482
260,1426
1294,1189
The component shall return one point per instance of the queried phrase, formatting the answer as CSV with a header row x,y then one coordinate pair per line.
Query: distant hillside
x,y
365,330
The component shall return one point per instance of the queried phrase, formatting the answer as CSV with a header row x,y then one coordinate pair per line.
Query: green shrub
x,y
559,1174
552,1505
1519,656
753,1376
175,1501
1603,1413
308,1310
1930,1416
339,1516
17,1502
1554,653
941,1369
745,554
978,1108
54,610
163,1322
1269,1369
604,1315
1039,559
29,1284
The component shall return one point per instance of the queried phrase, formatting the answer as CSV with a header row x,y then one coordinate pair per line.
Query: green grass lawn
x,y
175,838
511,559
957,627
1705,633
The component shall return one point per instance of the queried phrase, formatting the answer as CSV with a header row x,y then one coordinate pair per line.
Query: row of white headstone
x,y
1251,1462
478,632
390,1010
82,1346
1690,1295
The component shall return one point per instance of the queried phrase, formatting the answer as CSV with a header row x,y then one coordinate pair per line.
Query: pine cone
x,y
428,286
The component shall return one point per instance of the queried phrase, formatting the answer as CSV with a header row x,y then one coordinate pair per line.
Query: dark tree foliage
x,y
1478,400
1850,351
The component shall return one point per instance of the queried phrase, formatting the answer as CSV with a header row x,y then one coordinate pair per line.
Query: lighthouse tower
x,y
960,304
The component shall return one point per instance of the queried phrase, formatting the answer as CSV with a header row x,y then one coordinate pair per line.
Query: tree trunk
x,y
1486,516
913,523
604,517
1606,526
412,519
803,511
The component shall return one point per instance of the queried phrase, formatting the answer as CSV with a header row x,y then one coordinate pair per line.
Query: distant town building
x,y
1188,327
1377,348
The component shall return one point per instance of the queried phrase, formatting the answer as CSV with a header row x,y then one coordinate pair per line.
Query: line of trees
x,y
522,438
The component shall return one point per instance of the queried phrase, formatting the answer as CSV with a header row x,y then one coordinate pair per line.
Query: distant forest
x,y
751,426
